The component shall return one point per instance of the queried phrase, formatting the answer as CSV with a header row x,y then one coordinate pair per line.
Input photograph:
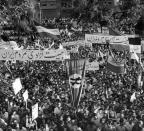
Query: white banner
x,y
103,39
135,48
76,43
92,66
41,29
25,95
34,111
29,55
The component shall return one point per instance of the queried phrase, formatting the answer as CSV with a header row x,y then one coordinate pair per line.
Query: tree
x,y
19,13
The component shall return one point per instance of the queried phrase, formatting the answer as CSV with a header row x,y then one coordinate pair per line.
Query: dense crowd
x,y
105,104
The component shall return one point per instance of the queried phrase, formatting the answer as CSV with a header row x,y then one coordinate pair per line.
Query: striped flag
x,y
76,71
116,67
54,33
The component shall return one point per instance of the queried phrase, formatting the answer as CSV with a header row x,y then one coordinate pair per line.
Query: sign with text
x,y
103,39
76,43
33,55
92,66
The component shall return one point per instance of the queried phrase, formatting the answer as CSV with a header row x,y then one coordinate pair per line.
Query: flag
x,y
114,32
76,72
134,56
133,97
25,95
17,86
34,111
116,67
54,33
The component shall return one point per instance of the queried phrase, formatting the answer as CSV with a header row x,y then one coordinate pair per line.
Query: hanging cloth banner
x,y
76,72
33,55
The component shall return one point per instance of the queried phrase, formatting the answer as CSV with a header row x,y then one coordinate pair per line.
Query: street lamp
x,y
39,12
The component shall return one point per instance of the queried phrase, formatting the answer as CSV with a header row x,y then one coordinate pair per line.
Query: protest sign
x,y
76,43
33,55
92,66
34,111
103,39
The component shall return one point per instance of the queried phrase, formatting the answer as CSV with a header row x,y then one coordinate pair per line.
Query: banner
x,y
135,48
103,39
135,44
120,43
41,29
116,67
76,43
76,72
34,111
92,66
29,55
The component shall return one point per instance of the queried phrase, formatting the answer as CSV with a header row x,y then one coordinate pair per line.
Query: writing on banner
x,y
76,43
135,48
92,66
30,55
103,39
120,43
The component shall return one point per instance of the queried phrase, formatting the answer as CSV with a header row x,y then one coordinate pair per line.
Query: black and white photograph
x,y
71,65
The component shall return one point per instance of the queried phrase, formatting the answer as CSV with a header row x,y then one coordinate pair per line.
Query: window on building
x,y
44,4
66,4
109,3
53,3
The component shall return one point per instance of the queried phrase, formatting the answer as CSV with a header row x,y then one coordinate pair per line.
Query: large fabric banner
x,y
41,29
103,39
76,43
92,66
76,72
120,43
29,55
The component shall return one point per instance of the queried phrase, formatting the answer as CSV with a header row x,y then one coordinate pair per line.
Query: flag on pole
x,y
17,86
54,33
76,72
34,111
25,95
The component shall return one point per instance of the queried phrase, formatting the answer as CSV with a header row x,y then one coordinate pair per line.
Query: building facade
x,y
106,3
55,8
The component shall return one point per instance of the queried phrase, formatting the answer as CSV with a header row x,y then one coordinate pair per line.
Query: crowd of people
x,y
105,102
